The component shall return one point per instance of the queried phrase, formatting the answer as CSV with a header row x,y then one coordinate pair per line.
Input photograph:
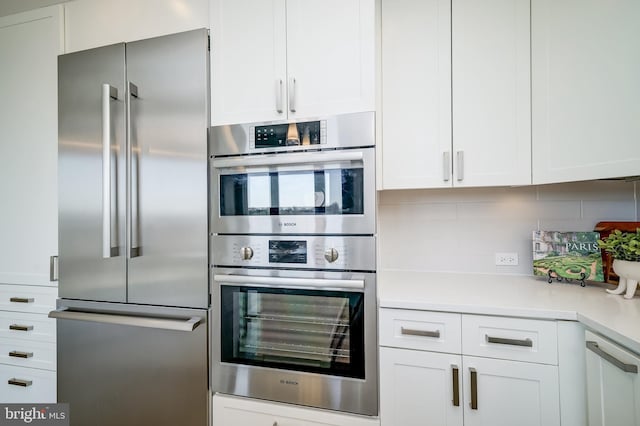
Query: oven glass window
x,y
302,330
306,192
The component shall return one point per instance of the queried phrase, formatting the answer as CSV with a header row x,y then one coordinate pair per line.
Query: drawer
x,y
515,339
25,326
26,353
422,330
28,298
26,385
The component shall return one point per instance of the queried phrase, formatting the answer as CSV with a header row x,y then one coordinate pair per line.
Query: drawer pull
x,y
19,382
455,374
628,368
474,389
18,327
513,342
22,299
20,354
423,333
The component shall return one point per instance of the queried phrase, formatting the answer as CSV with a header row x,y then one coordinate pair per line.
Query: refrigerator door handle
x,y
134,177
108,93
129,320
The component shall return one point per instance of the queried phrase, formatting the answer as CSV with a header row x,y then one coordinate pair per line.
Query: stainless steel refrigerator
x,y
132,317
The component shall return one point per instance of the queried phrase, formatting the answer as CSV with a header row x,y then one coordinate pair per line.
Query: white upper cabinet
x,y
585,89
93,23
284,59
30,43
491,92
455,93
416,93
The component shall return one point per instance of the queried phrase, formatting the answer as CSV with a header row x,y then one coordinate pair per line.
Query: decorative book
x,y
568,255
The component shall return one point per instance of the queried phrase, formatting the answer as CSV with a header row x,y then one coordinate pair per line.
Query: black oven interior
x,y
293,329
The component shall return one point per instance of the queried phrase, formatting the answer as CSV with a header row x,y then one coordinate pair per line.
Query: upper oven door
x,y
310,192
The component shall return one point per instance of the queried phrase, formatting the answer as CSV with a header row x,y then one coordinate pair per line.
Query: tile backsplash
x,y
460,230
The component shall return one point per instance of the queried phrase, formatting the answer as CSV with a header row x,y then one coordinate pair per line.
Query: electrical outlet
x,y
506,259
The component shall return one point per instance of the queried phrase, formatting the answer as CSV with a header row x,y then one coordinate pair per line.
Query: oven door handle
x,y
288,159
318,283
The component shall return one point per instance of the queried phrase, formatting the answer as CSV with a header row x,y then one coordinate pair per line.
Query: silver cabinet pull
x,y
292,94
22,299
455,376
189,324
20,354
18,327
134,177
474,389
279,96
446,166
460,165
20,382
628,368
108,93
513,342
53,268
423,333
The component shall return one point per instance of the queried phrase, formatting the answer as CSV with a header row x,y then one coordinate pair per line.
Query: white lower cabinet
x,y
237,411
497,388
613,383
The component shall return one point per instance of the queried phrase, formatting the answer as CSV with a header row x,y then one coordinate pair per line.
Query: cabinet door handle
x,y
446,166
19,382
513,342
22,299
628,368
53,268
20,354
19,327
292,94
279,96
460,165
455,376
423,333
474,389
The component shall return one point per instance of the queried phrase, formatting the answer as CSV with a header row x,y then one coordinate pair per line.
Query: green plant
x,y
622,245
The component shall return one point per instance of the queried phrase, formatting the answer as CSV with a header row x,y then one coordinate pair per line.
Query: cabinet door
x,y
585,89
330,56
491,92
29,46
248,61
416,386
416,93
507,393
93,23
613,385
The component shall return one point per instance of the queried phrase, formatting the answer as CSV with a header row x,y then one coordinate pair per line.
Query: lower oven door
x,y
308,340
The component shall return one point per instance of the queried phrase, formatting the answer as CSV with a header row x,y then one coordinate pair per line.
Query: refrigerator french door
x,y
133,124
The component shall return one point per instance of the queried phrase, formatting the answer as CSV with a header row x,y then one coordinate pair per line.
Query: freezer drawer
x,y
133,365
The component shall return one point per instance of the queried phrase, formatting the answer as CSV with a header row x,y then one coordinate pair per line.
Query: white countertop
x,y
514,295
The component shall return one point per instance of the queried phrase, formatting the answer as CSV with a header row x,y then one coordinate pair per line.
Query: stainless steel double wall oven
x,y
293,254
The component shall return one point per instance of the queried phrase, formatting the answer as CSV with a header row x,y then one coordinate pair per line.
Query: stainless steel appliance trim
x,y
423,333
149,322
627,368
324,284
135,241
513,342
293,158
108,93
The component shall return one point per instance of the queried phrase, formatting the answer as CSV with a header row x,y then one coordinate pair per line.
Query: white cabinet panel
x,y
32,299
415,386
491,92
585,89
93,23
21,385
29,45
613,384
27,326
428,331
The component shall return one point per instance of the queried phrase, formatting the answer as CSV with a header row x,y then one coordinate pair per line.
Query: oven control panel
x,y
308,252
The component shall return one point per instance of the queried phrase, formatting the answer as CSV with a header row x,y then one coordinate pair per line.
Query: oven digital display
x,y
287,251
293,134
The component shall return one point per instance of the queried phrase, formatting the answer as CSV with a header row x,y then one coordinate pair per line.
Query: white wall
x,y
460,230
